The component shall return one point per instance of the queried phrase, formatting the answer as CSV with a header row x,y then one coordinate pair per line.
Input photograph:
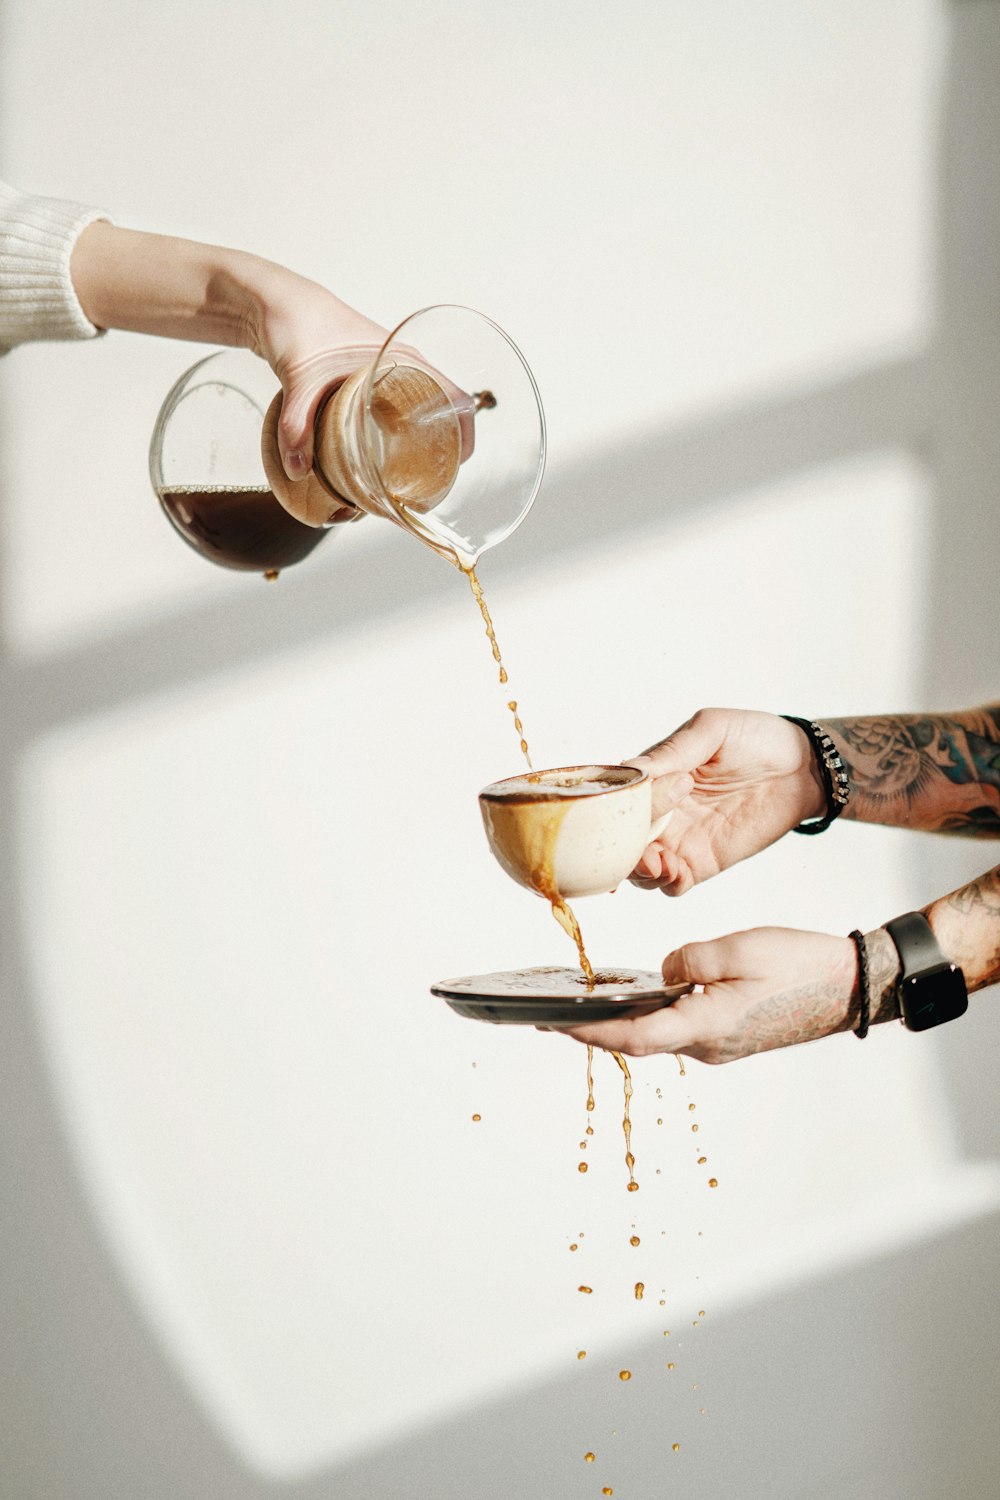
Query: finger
x,y
665,887
690,964
304,385
669,790
711,962
295,429
650,865
687,748
660,869
665,1030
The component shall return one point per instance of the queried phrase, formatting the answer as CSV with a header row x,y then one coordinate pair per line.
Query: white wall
x,y
249,1197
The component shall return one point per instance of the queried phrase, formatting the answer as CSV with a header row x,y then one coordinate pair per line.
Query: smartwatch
x,y
930,990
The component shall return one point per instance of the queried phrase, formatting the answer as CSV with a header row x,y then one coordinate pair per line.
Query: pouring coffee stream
x,y
440,431
393,437
397,439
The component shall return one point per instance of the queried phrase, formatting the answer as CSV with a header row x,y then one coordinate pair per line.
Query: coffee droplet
x,y
634,1240
477,1118
694,1128
607,1490
587,1289
701,1312
690,1106
633,1187
624,1374
574,1247
713,1182
671,1365
581,1354
581,1166
659,1122
588,1458
676,1447
702,1160
640,1287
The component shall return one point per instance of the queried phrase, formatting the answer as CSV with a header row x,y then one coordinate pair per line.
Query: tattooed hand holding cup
x,y
736,782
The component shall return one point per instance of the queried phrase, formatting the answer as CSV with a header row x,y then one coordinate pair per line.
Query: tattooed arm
x,y
734,781
967,927
930,771
737,781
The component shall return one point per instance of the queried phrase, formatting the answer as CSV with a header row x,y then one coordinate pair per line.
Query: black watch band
x,y
930,989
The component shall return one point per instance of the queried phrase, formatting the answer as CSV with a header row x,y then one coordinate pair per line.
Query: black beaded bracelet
x,y
861,1030
833,771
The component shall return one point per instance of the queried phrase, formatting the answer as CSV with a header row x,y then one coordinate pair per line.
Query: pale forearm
x,y
938,772
67,273
157,284
181,289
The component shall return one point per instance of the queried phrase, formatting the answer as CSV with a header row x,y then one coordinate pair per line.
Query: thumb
x,y
304,385
676,967
670,784
295,430
699,963
687,748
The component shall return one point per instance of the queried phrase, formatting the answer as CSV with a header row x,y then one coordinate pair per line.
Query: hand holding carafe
x,y
439,430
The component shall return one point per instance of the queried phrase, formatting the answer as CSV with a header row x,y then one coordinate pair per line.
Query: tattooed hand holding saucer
x,y
736,782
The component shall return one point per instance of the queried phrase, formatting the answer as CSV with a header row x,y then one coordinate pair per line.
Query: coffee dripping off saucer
x,y
440,431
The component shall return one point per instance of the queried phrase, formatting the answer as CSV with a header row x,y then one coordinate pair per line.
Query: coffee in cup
x,y
571,831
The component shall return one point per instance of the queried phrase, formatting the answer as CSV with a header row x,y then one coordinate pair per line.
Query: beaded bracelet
x,y
833,771
864,985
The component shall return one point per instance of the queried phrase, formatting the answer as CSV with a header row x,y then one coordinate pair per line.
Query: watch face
x,y
933,997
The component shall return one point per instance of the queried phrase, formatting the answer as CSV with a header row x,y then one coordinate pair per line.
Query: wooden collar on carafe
x,y
311,500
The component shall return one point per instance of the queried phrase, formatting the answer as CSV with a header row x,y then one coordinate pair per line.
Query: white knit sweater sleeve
x,y
37,300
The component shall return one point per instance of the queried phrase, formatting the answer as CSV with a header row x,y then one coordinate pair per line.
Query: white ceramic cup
x,y
571,831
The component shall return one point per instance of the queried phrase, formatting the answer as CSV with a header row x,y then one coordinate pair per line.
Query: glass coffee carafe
x,y
441,431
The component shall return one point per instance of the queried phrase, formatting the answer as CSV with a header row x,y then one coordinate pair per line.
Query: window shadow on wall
x,y
90,1407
